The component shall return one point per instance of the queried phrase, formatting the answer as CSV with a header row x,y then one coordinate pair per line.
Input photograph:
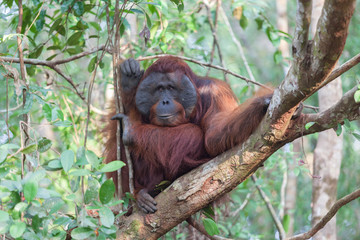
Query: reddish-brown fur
x,y
165,153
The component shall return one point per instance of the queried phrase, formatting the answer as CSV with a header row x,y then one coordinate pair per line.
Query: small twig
x,y
10,109
243,205
69,80
276,220
205,65
72,119
202,230
238,44
216,41
329,215
316,109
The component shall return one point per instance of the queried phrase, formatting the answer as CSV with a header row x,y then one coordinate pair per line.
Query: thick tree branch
x,y
312,68
301,35
196,189
333,210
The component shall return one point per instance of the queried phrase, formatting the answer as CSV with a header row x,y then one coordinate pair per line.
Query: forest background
x,y
54,107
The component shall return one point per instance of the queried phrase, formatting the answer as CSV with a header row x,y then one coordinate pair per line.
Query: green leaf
x,y
28,103
74,39
4,216
80,157
39,24
79,172
78,8
357,96
107,191
259,23
29,149
106,217
209,212
37,52
308,125
55,25
347,124
95,25
92,158
81,233
67,160
75,184
36,223
90,195
210,226
55,164
20,207
148,20
30,190
112,166
338,129
278,56
47,111
44,144
286,222
17,229
56,207
92,64
244,22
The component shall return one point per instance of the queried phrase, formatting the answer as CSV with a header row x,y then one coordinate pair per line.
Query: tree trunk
x,y
327,155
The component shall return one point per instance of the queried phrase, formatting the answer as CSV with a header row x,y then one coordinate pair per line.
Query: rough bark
x,y
327,155
311,66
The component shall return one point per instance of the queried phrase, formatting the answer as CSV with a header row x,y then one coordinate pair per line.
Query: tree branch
x,y
216,41
205,65
333,210
276,220
345,108
237,43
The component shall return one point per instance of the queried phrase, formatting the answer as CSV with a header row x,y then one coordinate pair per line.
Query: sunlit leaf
x,y
17,229
30,190
112,166
210,226
106,217
82,233
107,191
67,159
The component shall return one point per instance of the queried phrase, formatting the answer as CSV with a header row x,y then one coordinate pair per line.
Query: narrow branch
x,y
205,65
276,220
34,61
342,69
216,41
237,43
333,210
69,80
345,108
218,2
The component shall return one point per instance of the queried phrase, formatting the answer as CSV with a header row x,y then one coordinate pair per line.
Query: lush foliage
x,y
61,188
